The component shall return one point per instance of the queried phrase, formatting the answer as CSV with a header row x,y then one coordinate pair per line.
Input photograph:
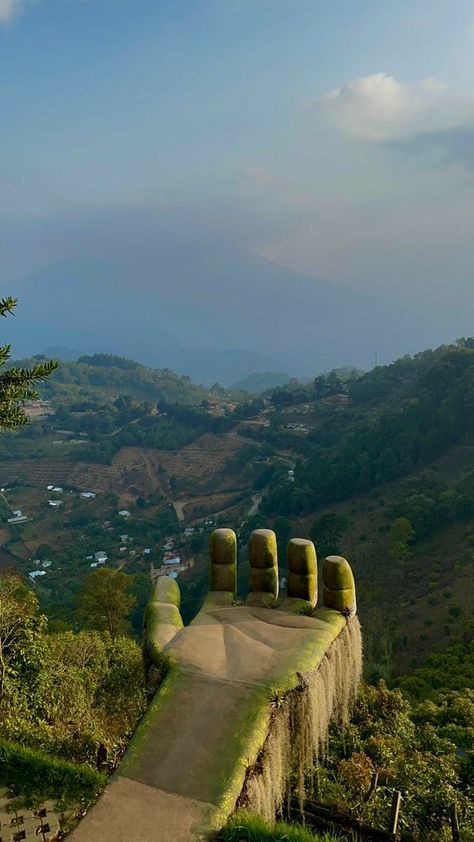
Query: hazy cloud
x,y
8,9
380,109
258,174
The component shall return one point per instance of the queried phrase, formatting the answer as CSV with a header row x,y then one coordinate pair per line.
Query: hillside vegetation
x,y
107,375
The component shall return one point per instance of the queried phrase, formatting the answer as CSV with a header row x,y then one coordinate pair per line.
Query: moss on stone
x,y
162,621
263,549
167,590
301,556
223,577
337,573
264,580
223,560
303,586
217,598
343,600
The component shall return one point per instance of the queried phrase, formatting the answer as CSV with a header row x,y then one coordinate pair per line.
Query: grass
x,y
244,827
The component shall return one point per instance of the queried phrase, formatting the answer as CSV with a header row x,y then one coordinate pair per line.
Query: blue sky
x,y
332,136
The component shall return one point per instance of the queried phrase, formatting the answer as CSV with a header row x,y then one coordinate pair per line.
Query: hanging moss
x,y
299,730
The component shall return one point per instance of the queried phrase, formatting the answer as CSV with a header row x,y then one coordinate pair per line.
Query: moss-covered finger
x,y
223,561
263,560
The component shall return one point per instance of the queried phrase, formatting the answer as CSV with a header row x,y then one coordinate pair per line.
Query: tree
x,y
401,535
105,601
17,384
327,533
18,606
283,529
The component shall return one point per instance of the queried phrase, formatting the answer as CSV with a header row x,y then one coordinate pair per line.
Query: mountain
x,y
257,383
65,354
164,289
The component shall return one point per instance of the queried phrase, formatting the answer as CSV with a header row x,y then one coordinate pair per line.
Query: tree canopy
x,y
17,385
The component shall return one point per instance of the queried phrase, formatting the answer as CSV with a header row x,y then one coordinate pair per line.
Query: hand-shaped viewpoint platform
x,y
187,763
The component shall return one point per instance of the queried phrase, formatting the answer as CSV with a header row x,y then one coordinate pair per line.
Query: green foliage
x,y
64,692
244,827
400,536
17,384
416,751
326,533
92,378
105,600
399,417
35,776
451,669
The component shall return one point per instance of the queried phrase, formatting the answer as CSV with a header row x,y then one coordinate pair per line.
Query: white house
x,y
57,489
17,512
87,495
55,503
174,560
124,513
36,573
14,520
101,557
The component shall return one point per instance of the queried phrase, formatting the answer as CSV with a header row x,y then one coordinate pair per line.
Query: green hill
x,y
105,376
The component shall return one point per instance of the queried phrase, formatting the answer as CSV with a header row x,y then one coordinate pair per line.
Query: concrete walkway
x,y
187,761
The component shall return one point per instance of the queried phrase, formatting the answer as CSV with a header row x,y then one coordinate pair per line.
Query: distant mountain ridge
x,y
159,288
257,382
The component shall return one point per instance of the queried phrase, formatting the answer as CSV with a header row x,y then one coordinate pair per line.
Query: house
x,y
89,557
15,520
94,564
36,573
55,503
87,495
124,513
46,564
124,539
189,531
57,489
147,551
173,560
49,487
100,557
17,513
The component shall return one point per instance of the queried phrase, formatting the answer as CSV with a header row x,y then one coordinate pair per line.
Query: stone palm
x,y
246,701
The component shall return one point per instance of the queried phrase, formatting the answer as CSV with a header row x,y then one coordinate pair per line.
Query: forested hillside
x,y
397,418
108,375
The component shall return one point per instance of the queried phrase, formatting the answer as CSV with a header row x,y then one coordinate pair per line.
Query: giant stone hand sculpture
x,y
245,705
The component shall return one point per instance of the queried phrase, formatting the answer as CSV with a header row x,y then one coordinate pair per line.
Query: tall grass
x,y
244,827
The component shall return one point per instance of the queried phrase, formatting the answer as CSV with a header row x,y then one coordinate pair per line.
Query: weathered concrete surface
x,y
187,761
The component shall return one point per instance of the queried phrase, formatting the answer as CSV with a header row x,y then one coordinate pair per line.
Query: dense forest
x,y
397,418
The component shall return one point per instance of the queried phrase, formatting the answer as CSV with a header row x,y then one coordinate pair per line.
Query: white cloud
x,y
380,109
8,9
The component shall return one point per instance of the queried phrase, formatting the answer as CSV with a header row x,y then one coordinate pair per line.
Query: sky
x,y
334,137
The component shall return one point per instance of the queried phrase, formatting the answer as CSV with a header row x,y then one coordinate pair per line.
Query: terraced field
x,y
141,469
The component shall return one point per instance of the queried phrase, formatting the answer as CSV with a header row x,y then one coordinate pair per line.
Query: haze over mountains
x,y
163,289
